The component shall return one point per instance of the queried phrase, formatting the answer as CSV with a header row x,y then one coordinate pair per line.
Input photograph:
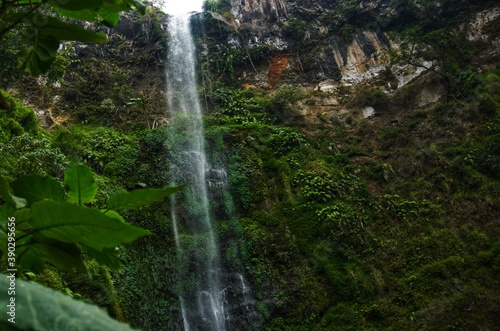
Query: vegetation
x,y
337,223
45,31
50,310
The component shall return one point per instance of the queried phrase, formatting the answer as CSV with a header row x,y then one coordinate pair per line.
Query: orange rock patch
x,y
278,63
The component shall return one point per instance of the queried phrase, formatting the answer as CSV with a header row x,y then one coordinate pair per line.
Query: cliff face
x,y
395,87
331,45
258,12
347,41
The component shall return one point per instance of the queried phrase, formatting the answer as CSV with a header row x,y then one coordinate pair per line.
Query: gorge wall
x,y
330,45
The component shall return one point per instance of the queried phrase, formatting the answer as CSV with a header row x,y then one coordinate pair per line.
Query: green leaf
x,y
40,56
40,308
45,39
139,5
74,224
104,16
60,30
108,256
125,5
6,211
113,214
141,197
35,188
108,18
31,261
79,183
65,256
8,196
75,5
3,233
22,216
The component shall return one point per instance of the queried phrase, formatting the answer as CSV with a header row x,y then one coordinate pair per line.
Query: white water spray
x,y
200,292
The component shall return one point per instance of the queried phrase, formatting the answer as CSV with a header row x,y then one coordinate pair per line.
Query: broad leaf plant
x,y
55,224
45,23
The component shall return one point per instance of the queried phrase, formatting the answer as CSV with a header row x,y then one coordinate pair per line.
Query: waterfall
x,y
213,294
199,270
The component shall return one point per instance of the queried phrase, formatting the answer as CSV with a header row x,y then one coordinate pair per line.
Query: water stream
x,y
199,270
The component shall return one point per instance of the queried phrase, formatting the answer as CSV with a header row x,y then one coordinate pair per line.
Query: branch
x,y
20,19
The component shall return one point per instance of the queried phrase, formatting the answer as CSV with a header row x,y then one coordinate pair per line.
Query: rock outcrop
x,y
327,40
340,47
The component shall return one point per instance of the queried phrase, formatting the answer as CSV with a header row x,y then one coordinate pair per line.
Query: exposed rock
x,y
429,95
364,58
278,63
476,29
326,58
254,12
328,85
368,112
406,73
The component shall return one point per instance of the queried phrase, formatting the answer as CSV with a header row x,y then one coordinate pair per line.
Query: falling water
x,y
199,288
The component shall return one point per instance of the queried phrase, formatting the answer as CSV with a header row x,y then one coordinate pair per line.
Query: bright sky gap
x,y
178,7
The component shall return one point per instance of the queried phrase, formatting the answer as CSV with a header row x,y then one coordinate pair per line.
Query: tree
x,y
43,24
445,53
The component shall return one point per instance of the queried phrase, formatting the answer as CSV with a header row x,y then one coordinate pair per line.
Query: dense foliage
x,y
339,222
374,214
39,21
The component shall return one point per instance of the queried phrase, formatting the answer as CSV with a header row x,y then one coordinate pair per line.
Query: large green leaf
x,y
42,309
79,183
75,5
108,18
90,15
7,194
6,211
31,261
22,217
141,197
104,16
66,4
109,257
35,188
65,256
125,5
138,4
45,38
74,224
40,56
57,29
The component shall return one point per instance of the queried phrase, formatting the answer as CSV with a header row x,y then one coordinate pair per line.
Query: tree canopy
x,y
45,23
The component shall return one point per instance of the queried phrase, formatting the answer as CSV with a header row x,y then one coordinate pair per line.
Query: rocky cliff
x,y
329,44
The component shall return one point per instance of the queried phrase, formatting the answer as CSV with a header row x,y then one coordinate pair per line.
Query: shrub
x,y
16,120
212,5
295,29
283,102
26,155
98,147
